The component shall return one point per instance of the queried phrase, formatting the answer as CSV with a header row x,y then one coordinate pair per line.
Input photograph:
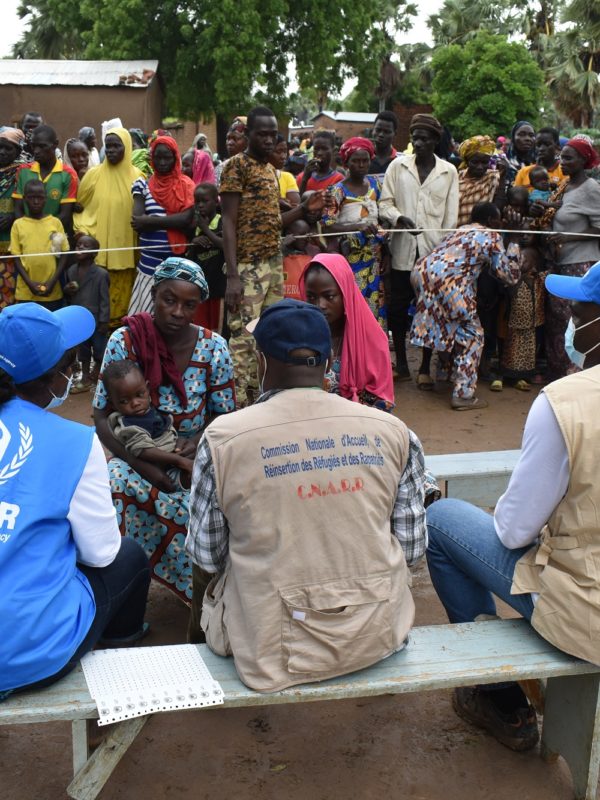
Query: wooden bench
x,y
479,478
438,657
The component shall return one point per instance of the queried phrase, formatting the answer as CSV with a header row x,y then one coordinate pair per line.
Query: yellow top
x,y
287,183
38,236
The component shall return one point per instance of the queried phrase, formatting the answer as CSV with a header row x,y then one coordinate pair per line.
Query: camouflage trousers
x,y
262,285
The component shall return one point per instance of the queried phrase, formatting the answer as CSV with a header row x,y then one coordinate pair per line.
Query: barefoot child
x,y
88,286
147,433
206,250
38,275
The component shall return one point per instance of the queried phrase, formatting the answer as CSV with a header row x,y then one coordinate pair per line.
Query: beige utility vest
x,y
315,585
565,567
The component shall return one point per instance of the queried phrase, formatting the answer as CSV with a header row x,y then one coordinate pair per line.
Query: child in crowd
x,y
147,433
38,278
297,252
88,286
206,250
320,172
540,183
187,164
518,199
522,314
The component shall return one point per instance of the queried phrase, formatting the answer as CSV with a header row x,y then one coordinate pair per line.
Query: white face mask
x,y
576,357
58,401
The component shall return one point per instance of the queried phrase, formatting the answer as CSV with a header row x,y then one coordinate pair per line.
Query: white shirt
x,y
431,204
92,516
538,482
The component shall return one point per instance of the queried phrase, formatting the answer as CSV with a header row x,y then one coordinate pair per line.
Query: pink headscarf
x,y
203,170
353,145
365,361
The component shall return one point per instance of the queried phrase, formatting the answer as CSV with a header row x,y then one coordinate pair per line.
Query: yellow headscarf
x,y
105,194
476,144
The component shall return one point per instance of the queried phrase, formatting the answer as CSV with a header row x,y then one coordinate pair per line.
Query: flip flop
x,y
424,382
467,404
523,386
496,385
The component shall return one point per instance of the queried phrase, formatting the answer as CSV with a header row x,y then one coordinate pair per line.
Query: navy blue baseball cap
x,y
585,289
33,339
292,325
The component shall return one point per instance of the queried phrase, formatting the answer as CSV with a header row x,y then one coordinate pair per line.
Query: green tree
x,y
215,57
485,86
45,37
573,62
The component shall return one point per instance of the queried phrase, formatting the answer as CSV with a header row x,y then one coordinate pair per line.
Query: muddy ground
x,y
409,747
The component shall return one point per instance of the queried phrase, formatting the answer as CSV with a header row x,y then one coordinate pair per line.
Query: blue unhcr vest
x,y
46,604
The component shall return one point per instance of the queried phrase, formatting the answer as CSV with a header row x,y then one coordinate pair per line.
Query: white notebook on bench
x,y
131,682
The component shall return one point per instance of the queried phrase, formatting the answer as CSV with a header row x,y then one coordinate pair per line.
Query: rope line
x,y
384,231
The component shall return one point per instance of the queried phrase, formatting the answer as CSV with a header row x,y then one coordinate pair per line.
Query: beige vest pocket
x,y
212,622
338,625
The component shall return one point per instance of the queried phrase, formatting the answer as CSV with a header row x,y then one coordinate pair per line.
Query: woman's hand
x,y
142,222
369,228
186,447
512,219
154,475
536,209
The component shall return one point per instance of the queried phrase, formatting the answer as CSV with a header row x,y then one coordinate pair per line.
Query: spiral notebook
x,y
131,682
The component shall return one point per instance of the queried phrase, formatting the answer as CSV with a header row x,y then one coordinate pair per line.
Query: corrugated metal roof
x,y
347,116
40,72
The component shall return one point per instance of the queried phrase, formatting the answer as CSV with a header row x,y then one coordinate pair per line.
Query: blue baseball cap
x,y
586,289
33,339
292,325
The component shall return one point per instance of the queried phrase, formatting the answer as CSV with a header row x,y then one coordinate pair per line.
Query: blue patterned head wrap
x,y
175,268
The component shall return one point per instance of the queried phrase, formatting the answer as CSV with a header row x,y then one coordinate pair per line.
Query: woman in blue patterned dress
x,y
190,376
352,206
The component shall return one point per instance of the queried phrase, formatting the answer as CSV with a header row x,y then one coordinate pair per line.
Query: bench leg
x,y
81,750
572,729
90,779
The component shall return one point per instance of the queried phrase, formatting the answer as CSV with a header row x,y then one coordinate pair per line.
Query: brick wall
x,y
184,133
405,114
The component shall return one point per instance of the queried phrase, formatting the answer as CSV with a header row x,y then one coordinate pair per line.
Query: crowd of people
x,y
157,279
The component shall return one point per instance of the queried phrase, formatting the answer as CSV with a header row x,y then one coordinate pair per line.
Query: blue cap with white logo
x,y
33,339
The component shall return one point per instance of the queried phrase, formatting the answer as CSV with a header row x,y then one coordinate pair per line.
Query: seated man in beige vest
x,y
309,509
541,549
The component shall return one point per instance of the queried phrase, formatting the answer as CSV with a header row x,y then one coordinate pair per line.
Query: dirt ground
x,y
407,746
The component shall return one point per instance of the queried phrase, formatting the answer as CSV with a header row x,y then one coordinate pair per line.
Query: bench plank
x,y
479,478
492,463
438,657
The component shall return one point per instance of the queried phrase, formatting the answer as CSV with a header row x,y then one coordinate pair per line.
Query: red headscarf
x,y
174,192
356,143
365,361
583,145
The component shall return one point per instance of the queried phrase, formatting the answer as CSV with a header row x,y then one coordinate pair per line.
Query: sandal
x,y
523,386
424,382
496,385
467,403
517,731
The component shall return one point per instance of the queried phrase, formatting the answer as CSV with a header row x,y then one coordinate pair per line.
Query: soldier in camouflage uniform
x,y
252,224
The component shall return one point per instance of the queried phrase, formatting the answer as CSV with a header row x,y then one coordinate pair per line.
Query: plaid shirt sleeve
x,y
409,524
207,541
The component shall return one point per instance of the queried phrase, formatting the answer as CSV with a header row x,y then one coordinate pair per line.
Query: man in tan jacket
x,y
308,509
540,550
